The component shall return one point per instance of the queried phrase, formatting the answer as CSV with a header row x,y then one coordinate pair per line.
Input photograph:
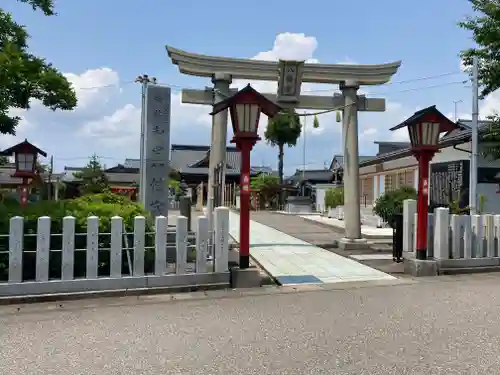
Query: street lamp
x,y
424,128
245,108
25,155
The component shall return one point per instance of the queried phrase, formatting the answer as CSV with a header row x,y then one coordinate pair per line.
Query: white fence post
x,y
139,244
16,243
467,223
221,248
68,248
489,228
496,220
409,210
115,257
431,221
181,245
441,233
477,236
456,227
201,244
92,247
42,248
161,226
340,212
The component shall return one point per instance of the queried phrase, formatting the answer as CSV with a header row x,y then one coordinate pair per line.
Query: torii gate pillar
x,y
218,144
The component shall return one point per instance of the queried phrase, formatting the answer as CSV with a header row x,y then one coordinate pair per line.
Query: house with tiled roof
x,y
395,166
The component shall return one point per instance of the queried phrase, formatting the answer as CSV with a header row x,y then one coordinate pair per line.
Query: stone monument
x,y
157,150
290,75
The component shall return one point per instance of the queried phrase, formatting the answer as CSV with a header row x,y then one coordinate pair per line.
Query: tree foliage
x,y
316,122
283,129
391,203
334,197
24,76
268,188
485,28
490,138
93,178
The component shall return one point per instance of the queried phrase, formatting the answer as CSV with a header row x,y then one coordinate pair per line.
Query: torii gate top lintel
x,y
206,66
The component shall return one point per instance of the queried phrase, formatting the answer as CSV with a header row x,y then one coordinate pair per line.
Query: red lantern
x,y
245,108
424,128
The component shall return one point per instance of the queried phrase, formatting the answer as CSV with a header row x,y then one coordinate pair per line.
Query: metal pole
x,y
304,157
144,80
455,102
143,129
474,140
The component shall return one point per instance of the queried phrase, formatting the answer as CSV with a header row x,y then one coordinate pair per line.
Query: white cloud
x,y
121,127
94,84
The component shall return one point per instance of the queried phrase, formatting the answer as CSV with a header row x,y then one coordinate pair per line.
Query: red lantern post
x,y
424,128
245,108
25,155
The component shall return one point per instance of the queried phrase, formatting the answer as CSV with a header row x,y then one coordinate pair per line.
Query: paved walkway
x,y
293,261
419,328
366,230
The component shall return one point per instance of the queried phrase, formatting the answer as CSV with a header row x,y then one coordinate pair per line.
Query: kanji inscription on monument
x,y
157,145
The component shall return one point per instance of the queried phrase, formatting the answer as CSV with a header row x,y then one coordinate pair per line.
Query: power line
x,y
400,82
178,87
463,82
118,84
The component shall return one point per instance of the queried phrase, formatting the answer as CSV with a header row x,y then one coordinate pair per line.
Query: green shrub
x,y
334,197
103,205
391,202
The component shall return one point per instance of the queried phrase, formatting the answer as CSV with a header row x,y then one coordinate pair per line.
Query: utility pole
x,y
51,171
144,80
474,140
304,157
455,102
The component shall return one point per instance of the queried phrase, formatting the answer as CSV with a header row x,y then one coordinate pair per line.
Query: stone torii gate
x,y
290,75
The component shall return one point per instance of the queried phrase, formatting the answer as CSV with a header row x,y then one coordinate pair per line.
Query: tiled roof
x,y
69,176
338,161
182,159
311,175
182,156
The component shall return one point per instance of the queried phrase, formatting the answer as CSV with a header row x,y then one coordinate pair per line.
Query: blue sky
x,y
108,43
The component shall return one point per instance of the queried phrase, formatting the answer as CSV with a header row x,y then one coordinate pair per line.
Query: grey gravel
x,y
446,326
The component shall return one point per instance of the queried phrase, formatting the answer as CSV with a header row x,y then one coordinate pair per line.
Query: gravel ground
x,y
450,325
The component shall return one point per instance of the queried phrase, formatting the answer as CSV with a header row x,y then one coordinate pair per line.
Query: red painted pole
x,y
24,193
424,159
245,147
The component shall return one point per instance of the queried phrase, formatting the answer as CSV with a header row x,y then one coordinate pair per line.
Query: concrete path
x,y
366,230
293,261
424,328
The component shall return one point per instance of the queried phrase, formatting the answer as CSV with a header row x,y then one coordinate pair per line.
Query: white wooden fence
x,y
455,237
198,272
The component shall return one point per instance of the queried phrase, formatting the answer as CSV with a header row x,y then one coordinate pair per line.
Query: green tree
x,y
24,76
490,138
93,178
268,188
485,28
3,160
283,129
316,122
